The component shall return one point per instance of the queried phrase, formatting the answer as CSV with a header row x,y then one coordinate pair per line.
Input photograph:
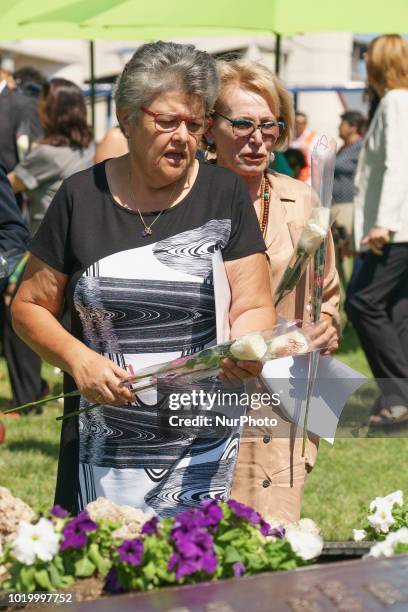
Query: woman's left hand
x,y
326,335
234,373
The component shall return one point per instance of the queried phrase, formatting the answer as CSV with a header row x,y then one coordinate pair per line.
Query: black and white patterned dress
x,y
141,301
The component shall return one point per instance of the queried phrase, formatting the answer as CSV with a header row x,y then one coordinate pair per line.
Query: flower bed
x,y
111,549
125,550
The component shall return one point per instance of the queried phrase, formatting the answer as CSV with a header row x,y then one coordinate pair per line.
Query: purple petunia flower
x,y
277,532
150,527
211,511
264,527
131,551
244,511
193,544
239,569
75,532
112,584
59,512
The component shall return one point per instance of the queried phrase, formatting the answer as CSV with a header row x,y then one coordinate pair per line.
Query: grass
x,y
346,477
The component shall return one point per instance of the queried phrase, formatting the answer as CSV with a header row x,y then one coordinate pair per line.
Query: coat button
x,y
266,439
266,483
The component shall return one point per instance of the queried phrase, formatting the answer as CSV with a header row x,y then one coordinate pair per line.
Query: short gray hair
x,y
164,66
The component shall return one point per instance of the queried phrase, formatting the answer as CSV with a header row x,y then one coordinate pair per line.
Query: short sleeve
x,y
37,167
52,242
245,238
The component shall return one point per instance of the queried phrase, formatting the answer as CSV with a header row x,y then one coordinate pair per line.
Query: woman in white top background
x,y
377,297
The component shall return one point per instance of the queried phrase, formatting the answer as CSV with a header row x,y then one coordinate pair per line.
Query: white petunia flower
x,y
359,535
395,498
382,519
306,544
250,347
387,547
391,500
381,549
38,541
307,524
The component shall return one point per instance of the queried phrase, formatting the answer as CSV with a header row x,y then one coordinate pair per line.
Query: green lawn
x,y
346,477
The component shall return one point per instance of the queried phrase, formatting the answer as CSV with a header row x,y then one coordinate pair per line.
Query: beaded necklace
x,y
265,195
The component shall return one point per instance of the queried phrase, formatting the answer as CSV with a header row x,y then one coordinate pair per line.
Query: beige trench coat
x,y
270,472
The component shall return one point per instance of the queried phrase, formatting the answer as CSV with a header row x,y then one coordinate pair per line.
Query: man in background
x,y
29,84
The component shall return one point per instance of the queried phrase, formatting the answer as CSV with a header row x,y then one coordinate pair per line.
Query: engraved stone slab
x,y
347,586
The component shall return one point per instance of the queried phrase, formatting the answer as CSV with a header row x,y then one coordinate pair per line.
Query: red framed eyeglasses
x,y
170,122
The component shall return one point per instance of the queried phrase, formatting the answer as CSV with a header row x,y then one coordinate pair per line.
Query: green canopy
x,y
127,19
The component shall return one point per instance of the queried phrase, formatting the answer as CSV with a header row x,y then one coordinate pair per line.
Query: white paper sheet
x,y
335,382
222,295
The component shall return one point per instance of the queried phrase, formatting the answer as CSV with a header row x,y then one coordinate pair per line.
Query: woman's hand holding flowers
x,y
234,373
325,336
98,379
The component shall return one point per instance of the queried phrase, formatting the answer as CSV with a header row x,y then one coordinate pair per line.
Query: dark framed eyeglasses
x,y
169,122
246,127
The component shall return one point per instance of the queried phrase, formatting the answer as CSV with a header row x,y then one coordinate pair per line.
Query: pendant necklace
x,y
147,229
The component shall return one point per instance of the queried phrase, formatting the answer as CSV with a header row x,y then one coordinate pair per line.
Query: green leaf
x,y
149,571
66,581
232,555
43,580
25,577
232,534
84,568
54,576
102,565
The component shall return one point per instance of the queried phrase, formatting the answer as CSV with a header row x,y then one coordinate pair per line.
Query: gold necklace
x,y
147,229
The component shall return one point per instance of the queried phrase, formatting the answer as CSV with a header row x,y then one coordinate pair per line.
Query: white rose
x,y
292,343
382,519
35,541
251,347
315,230
359,535
305,544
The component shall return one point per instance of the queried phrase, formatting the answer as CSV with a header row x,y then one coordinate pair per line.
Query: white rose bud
x,y
292,343
251,347
315,230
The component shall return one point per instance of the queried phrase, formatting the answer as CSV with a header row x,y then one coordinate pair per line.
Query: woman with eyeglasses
x,y
252,117
130,244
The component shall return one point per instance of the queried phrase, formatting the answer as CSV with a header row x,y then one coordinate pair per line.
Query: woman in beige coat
x,y
253,116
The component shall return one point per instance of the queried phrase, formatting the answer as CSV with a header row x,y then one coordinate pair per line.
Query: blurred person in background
x,y
12,113
377,296
65,148
351,131
14,238
305,140
29,83
253,117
